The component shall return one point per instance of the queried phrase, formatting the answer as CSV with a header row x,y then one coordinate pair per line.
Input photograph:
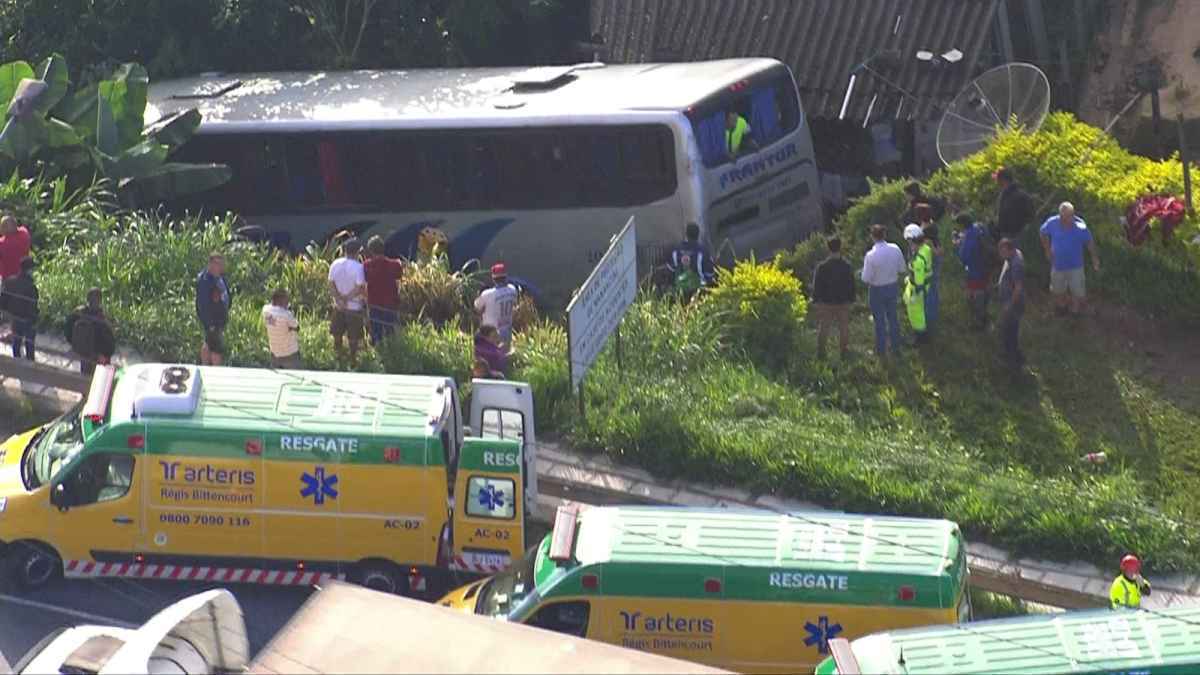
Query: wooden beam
x,y
43,375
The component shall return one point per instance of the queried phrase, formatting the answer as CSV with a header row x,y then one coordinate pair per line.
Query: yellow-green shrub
x,y
762,308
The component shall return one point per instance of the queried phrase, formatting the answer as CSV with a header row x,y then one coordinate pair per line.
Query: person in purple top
x,y
1064,237
489,349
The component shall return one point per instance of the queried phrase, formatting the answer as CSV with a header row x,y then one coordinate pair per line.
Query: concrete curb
x,y
1074,585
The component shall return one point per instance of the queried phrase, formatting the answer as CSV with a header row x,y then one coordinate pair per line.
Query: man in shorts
x,y
212,308
348,286
1064,237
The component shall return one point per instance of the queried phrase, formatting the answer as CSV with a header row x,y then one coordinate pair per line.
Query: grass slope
x,y
945,431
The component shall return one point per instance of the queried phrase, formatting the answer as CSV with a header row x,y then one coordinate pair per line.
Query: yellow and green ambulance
x,y
267,476
1093,641
750,591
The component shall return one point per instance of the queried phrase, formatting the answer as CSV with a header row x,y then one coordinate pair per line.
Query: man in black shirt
x,y
833,293
1015,208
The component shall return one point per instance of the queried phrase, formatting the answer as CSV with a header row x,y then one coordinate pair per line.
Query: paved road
x,y
25,618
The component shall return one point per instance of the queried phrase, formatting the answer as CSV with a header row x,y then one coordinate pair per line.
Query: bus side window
x,y
569,618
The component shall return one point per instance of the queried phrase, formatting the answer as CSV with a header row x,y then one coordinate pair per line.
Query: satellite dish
x,y
1014,94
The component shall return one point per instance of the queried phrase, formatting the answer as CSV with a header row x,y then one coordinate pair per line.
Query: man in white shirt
x,y
283,332
496,304
348,286
883,268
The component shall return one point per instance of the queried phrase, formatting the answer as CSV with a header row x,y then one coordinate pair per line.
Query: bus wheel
x,y
381,576
34,565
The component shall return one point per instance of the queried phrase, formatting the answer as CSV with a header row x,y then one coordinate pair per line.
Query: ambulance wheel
x,y
381,576
34,565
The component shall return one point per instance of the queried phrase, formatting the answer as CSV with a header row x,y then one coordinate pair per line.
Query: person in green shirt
x,y
1129,586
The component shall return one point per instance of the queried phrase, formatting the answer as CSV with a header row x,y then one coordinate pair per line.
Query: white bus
x,y
536,167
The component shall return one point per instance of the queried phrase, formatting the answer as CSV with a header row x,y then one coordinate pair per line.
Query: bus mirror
x,y
58,497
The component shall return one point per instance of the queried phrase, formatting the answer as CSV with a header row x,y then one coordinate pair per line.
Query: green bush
x,y
421,348
762,308
1067,160
802,260
431,291
540,359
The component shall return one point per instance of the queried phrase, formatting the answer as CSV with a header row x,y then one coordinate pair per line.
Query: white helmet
x,y
913,232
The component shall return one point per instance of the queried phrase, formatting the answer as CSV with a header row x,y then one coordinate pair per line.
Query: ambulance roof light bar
x,y
100,393
563,537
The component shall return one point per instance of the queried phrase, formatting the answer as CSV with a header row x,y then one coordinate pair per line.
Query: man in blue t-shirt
x,y
1063,239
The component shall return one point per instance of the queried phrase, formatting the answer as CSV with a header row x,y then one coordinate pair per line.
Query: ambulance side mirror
x,y
59,498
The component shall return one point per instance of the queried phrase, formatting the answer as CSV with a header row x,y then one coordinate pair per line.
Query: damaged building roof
x,y
823,41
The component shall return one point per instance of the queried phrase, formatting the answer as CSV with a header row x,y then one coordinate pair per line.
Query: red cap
x,y
498,270
1131,563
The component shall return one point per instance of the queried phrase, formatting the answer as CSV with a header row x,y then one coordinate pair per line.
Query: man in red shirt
x,y
14,245
383,289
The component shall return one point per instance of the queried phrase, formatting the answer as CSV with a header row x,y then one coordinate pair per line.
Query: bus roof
x,y
286,402
762,555
1091,641
386,97
344,628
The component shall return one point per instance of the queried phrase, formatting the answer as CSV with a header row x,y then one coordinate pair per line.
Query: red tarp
x,y
1167,210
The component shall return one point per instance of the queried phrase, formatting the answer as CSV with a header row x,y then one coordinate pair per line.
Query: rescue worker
x,y
690,263
736,131
919,280
1129,586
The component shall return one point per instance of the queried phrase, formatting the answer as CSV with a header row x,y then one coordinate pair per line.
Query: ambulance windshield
x,y
54,448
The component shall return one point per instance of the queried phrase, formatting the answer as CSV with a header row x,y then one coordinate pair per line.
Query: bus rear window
x,y
769,108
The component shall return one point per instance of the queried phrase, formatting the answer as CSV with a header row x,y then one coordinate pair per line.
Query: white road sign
x,y
598,306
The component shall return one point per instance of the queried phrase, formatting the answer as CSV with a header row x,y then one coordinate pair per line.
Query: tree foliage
x,y
174,38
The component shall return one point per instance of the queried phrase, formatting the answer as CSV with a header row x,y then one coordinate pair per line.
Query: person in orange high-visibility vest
x,y
1129,586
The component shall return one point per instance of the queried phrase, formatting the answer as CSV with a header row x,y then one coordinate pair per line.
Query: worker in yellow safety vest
x,y
919,280
1128,587
736,128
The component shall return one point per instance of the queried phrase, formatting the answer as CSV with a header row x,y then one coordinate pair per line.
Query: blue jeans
x,y
23,334
383,323
933,296
882,300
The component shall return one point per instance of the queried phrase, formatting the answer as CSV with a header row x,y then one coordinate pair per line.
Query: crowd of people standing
x,y
994,267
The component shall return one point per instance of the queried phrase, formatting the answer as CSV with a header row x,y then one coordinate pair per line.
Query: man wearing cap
x,y
1129,586
348,286
1063,239
496,304
917,288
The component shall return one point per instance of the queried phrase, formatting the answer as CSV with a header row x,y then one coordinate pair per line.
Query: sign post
x,y
596,310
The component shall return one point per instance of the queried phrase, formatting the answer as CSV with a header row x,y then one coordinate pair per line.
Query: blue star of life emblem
x,y
821,633
490,498
318,485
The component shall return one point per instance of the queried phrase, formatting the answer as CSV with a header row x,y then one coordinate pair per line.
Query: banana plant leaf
x,y
175,180
107,135
53,71
143,159
11,75
175,130
127,97
22,137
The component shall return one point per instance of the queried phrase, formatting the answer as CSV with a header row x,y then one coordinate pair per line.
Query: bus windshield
x,y
57,445
506,590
